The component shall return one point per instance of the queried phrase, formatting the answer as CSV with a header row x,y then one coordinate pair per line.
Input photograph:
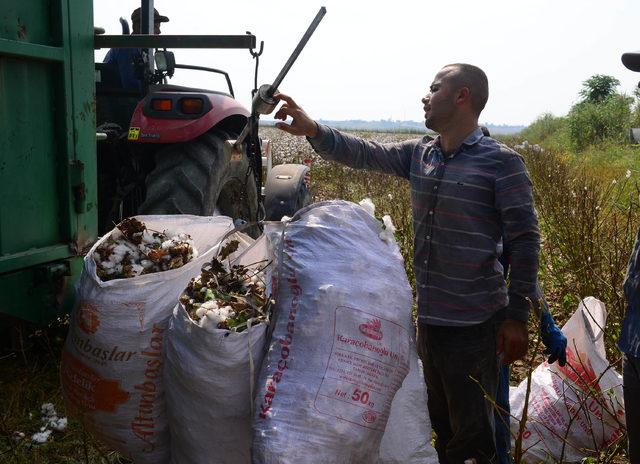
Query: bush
x,y
548,130
591,123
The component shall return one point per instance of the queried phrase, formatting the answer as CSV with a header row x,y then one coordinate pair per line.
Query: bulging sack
x,y
341,341
577,407
407,438
112,361
210,379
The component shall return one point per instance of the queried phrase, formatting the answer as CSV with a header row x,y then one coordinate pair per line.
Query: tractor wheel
x,y
198,177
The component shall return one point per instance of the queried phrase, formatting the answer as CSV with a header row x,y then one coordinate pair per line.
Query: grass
x,y
588,223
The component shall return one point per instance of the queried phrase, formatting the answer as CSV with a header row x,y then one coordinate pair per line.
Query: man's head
x,y
157,20
459,92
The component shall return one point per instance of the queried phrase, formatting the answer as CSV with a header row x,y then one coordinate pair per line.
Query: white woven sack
x,y
407,438
111,368
578,407
210,380
341,343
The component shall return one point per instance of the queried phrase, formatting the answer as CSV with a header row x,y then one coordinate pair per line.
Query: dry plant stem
x,y
518,452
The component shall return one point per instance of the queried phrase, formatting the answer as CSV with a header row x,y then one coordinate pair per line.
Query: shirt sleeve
x,y
390,158
514,201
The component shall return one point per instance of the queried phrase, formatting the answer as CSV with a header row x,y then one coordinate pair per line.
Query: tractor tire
x,y
198,177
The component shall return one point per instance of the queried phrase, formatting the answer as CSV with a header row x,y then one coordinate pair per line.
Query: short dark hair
x,y
474,78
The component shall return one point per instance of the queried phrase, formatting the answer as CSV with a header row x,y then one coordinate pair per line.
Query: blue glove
x,y
554,340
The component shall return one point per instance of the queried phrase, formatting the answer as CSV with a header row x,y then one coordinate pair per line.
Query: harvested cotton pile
x,y
226,296
132,250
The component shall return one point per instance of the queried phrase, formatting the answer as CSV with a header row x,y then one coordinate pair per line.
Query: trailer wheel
x,y
198,177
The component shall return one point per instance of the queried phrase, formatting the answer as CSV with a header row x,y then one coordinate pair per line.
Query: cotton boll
x,y
210,305
41,437
389,230
145,263
368,206
200,312
48,410
136,269
58,424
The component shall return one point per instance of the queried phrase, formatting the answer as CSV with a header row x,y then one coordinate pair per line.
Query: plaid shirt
x,y
462,205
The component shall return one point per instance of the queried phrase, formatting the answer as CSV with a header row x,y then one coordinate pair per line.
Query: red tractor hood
x,y
171,126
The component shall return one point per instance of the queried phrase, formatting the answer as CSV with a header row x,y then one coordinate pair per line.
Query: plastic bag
x,y
407,438
210,381
111,367
579,405
341,343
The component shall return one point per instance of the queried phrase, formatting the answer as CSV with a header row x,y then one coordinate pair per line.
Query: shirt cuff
x,y
320,139
518,308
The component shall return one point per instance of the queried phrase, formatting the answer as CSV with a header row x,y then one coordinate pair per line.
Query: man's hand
x,y
301,123
512,340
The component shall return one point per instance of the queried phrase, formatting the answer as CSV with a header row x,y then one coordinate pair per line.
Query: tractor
x,y
170,149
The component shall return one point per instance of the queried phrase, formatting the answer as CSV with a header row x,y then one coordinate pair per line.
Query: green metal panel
x,y
48,208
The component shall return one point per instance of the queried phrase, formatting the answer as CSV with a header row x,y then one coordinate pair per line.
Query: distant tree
x,y
598,88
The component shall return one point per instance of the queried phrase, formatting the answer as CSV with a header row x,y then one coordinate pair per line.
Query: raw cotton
x,y
342,338
132,249
112,362
210,372
578,407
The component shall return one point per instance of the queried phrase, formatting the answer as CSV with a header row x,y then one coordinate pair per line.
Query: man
x,y
466,190
125,58
629,345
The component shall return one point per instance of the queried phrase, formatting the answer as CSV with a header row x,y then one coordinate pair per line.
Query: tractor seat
x,y
631,60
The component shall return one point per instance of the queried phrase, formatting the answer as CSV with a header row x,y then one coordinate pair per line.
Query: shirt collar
x,y
473,138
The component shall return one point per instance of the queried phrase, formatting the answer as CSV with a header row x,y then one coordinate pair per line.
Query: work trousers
x,y
631,387
459,363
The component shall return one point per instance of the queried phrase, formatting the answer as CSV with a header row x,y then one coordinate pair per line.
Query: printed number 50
x,y
361,396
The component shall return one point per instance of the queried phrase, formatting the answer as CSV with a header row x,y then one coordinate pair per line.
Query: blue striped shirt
x,y
461,205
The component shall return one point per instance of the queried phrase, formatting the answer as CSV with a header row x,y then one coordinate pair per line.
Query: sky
x,y
374,60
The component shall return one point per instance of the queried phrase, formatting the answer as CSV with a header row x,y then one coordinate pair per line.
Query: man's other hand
x,y
512,340
301,123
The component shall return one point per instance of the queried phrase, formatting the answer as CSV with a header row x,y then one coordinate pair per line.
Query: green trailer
x,y
48,209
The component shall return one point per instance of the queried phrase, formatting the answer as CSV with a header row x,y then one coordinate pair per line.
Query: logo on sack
x,y
369,416
88,318
371,329
581,372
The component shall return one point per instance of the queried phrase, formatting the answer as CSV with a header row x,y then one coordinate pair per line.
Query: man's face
x,y
439,103
156,28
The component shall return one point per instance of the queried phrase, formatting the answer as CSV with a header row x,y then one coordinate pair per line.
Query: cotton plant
x,y
133,250
226,296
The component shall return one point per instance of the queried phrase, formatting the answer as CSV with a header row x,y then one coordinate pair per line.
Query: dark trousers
x,y
462,418
631,387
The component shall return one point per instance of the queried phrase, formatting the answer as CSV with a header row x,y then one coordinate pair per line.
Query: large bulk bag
x,y
112,361
210,379
341,342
